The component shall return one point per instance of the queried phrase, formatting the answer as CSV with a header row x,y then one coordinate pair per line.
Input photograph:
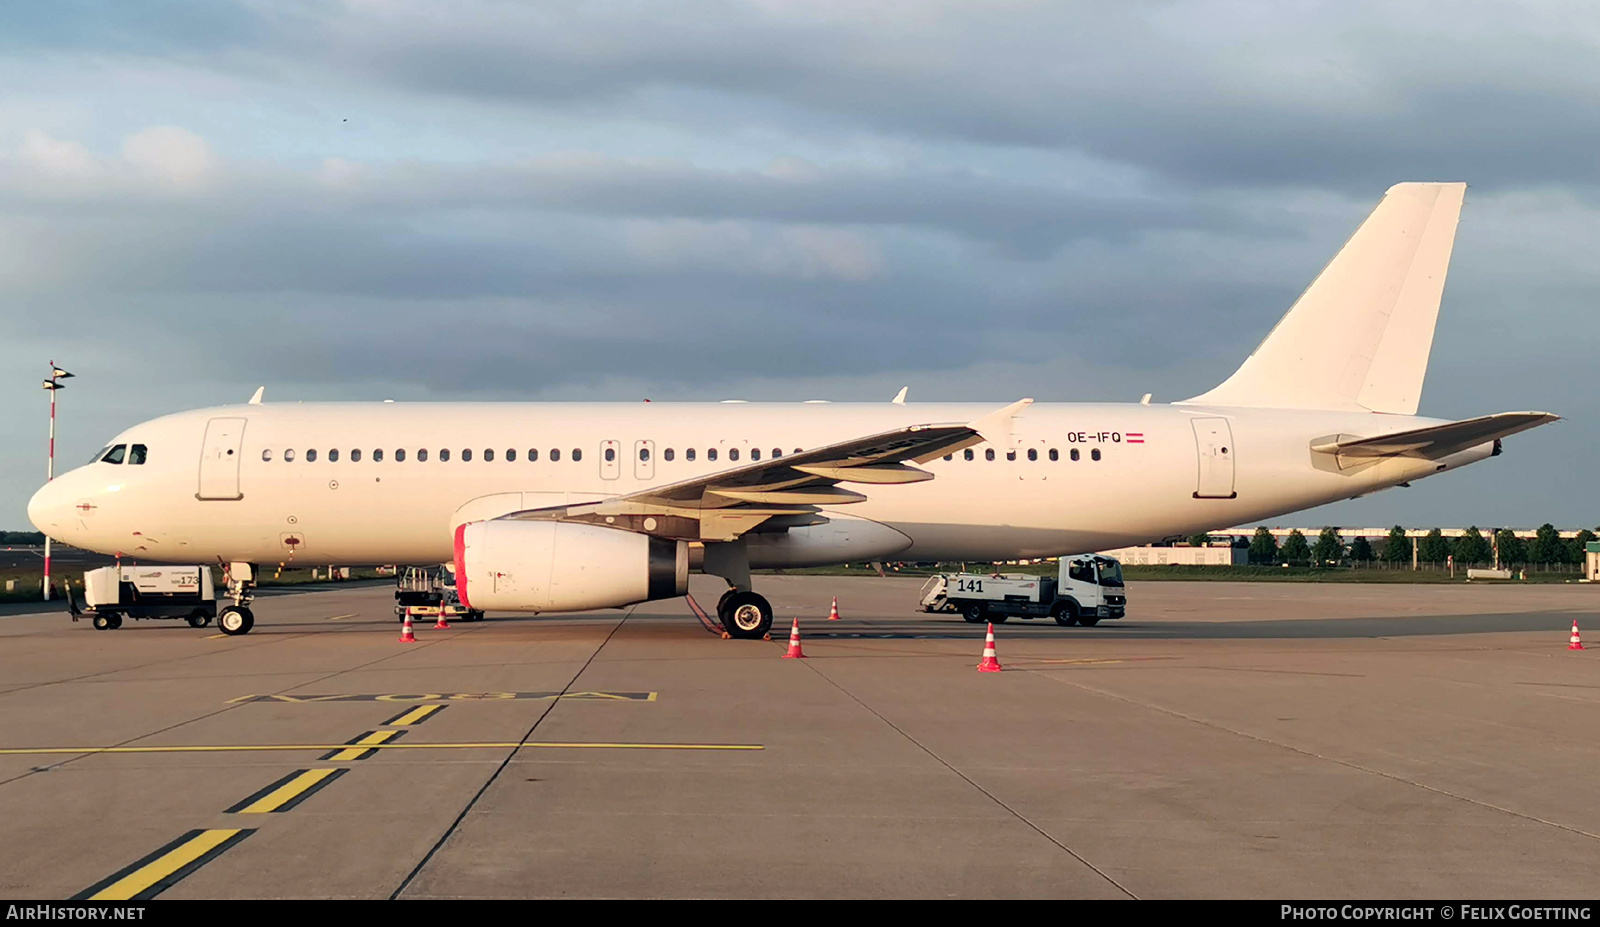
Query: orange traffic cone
x,y
441,624
794,652
1576,643
406,637
833,613
990,663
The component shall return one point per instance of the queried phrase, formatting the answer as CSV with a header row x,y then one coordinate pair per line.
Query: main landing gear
x,y
745,614
237,618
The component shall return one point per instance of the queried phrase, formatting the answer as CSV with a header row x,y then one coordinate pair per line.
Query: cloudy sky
x,y
781,199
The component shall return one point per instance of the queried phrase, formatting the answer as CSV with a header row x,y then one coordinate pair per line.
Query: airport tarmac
x,y
1225,740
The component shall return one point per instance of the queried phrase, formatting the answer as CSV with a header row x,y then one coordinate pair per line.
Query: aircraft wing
x,y
1436,441
781,492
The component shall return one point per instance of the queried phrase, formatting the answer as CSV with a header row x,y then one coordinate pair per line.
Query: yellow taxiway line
x,y
167,865
484,745
286,793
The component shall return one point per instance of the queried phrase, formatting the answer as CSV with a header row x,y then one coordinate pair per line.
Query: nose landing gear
x,y
237,618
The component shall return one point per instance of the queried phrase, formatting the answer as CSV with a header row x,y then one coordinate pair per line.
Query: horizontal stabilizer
x,y
1435,441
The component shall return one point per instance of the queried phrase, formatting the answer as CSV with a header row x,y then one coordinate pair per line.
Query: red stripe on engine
x,y
461,565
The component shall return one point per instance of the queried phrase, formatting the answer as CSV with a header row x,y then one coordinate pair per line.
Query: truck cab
x,y
1085,589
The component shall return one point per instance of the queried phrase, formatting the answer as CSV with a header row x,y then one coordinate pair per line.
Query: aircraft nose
x,y
48,509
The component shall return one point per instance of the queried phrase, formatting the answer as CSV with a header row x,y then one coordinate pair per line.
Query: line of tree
x,y
1548,547
21,537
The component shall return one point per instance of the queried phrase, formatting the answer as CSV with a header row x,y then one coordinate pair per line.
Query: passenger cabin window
x,y
288,455
755,453
1054,455
777,452
711,453
422,455
733,453
511,455
267,454
488,455
1011,455
1094,454
533,454
115,455
967,454
311,456
355,456
333,456
555,454
444,455
949,457
988,454
1074,453
688,454
466,454
1033,454
577,454
399,455
668,454
377,455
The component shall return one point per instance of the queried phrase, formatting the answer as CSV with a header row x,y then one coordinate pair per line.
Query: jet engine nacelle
x,y
540,566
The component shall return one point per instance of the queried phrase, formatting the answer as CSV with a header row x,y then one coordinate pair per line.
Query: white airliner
x,y
570,506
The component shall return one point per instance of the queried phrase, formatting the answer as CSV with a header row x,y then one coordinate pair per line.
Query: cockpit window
x,y
136,454
99,454
115,455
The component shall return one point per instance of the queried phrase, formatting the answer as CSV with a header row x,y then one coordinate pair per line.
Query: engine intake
x,y
540,566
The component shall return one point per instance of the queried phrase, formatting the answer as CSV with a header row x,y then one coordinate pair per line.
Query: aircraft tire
x,y
746,615
235,620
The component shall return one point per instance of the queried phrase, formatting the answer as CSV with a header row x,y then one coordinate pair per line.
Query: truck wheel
x,y
116,620
102,621
1066,614
199,619
1088,622
975,612
235,620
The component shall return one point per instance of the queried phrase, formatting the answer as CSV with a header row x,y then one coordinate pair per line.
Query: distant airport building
x,y
1190,556
1591,561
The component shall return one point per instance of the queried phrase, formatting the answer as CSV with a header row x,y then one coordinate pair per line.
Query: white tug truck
x,y
1086,589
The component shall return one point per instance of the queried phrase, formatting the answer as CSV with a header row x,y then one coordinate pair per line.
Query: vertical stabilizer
x,y
1359,337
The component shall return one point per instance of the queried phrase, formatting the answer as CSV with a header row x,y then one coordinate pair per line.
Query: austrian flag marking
x,y
1135,437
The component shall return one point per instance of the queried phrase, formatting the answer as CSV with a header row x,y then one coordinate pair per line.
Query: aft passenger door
x,y
1213,441
219,459
644,460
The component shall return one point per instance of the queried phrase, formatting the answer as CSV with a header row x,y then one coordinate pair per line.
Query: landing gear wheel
x,y
1066,615
745,615
102,621
235,620
975,613
722,603
199,619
